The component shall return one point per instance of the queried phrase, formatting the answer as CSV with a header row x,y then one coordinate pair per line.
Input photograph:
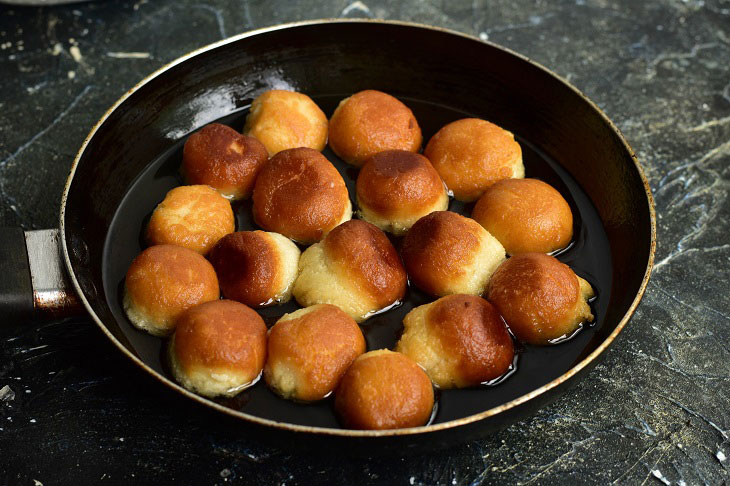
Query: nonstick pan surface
x,y
131,159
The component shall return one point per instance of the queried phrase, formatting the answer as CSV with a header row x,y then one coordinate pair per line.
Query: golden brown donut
x,y
218,348
384,390
446,253
369,122
525,215
284,120
460,340
395,188
300,194
355,268
220,157
309,350
195,217
255,268
162,282
472,154
541,299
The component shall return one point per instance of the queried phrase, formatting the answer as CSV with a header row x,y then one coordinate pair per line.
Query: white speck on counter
x,y
6,394
658,474
37,483
483,36
76,53
32,421
721,456
412,480
129,55
71,74
27,391
358,5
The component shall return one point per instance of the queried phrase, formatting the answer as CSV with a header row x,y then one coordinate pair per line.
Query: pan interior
x,y
132,156
589,255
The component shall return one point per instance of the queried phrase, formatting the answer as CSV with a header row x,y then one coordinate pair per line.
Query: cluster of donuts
x,y
342,270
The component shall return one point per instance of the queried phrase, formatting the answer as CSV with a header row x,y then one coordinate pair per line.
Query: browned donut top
x,y
384,390
525,215
536,294
248,266
221,334
283,119
164,280
320,345
396,183
219,156
195,217
299,194
471,328
369,122
437,247
472,154
363,254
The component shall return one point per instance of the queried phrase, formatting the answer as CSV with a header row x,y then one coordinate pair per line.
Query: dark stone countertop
x,y
656,410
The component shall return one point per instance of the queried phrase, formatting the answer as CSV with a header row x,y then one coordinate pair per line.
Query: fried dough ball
x,y
284,120
300,194
472,154
446,253
395,188
384,390
255,268
194,217
541,299
218,348
525,215
369,122
355,268
162,282
309,350
460,340
220,157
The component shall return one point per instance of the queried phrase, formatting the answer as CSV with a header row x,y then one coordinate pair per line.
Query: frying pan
x,y
129,160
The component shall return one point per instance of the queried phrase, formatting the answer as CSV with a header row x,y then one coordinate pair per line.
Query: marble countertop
x,y
657,408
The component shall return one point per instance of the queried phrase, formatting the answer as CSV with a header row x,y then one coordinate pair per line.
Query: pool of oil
x,y
588,255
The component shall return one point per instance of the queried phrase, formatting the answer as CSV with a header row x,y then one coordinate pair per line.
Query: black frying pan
x,y
130,159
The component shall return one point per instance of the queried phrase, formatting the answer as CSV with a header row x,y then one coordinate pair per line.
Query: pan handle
x,y
33,283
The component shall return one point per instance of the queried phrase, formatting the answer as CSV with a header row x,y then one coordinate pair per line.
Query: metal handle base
x,y
33,282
